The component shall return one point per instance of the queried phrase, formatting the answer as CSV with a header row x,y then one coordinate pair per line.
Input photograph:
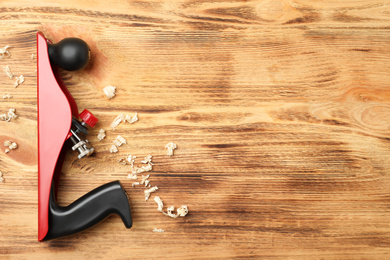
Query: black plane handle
x,y
90,209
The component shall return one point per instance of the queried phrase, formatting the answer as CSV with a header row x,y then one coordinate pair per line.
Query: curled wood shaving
x,y
32,56
147,183
160,230
124,118
144,178
160,204
122,161
4,52
145,168
131,159
109,91
10,115
149,191
132,176
8,72
170,212
101,135
113,149
181,212
131,119
119,141
148,159
13,146
117,121
19,80
7,96
170,146
135,183
1,177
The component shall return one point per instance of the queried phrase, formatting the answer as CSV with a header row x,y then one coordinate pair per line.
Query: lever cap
x,y
88,118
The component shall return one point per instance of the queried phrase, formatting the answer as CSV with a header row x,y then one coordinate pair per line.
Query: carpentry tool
x,y
59,129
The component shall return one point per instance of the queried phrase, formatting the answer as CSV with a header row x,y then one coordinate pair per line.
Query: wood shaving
x,y
1,177
149,191
148,160
19,80
144,178
122,161
101,135
32,56
170,212
131,159
7,96
145,168
131,119
10,115
8,72
119,141
109,91
160,204
160,230
147,183
124,118
181,212
4,52
132,176
117,121
113,149
13,146
135,183
170,146
137,170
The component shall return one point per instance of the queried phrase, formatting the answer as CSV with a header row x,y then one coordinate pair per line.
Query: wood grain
x,y
280,110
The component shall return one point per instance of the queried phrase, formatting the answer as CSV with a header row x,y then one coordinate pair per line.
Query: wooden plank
x,y
279,109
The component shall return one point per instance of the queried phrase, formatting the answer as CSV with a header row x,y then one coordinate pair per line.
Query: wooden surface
x,y
280,110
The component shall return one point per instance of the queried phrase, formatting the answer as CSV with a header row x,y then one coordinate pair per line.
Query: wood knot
x,y
377,117
276,10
